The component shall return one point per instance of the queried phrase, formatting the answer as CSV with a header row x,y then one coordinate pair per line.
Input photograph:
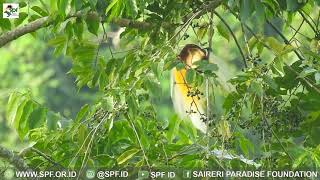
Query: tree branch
x,y
122,22
46,21
13,159
46,157
22,30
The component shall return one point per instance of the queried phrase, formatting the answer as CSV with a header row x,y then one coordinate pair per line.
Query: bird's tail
x,y
185,102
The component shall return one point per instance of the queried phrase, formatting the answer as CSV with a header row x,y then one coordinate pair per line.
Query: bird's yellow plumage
x,y
186,101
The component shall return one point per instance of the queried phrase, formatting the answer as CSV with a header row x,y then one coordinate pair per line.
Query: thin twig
x,y
306,19
284,39
234,37
246,40
139,141
46,157
296,31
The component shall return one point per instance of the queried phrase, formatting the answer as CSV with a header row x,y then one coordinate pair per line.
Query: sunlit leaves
x,y
132,9
5,24
246,146
82,112
24,113
60,43
127,155
62,6
39,10
223,31
224,129
78,28
278,65
114,9
201,32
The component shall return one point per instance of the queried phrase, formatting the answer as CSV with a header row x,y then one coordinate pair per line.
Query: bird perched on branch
x,y
188,101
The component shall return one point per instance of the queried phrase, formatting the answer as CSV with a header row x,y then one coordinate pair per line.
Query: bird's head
x,y
192,53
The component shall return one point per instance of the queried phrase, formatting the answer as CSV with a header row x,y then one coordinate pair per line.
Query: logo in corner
x,y
10,10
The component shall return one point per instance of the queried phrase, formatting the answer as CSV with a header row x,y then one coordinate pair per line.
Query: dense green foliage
x,y
269,111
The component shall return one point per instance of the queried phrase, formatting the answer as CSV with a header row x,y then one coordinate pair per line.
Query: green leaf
x,y
22,17
5,24
23,127
260,47
37,117
223,31
62,6
83,111
81,135
293,5
93,3
246,146
270,82
17,118
132,9
52,120
124,157
206,66
246,9
201,32
59,40
275,45
302,158
77,4
78,28
173,128
256,87
153,87
278,65
34,17
190,76
111,5
132,105
53,6
180,65
22,5
317,78
230,101
92,21
260,14
40,11
12,106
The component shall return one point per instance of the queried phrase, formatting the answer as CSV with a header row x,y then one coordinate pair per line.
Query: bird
x,y
188,101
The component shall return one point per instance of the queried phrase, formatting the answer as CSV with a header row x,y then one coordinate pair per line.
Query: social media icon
x,y
143,174
90,174
186,174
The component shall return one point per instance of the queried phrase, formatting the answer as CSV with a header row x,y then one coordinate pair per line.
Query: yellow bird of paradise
x,y
187,100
